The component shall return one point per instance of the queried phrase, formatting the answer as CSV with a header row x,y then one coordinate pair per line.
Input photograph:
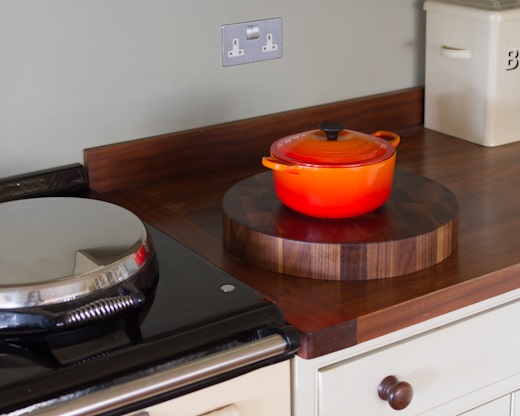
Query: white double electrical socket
x,y
255,41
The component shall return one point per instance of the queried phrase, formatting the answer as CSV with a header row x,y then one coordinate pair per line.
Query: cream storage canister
x,y
472,85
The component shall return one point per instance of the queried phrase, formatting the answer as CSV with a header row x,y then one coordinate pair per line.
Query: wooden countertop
x,y
332,315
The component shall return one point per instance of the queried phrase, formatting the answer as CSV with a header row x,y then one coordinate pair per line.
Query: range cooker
x,y
195,326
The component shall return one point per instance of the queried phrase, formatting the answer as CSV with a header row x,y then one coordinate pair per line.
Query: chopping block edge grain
x,y
415,229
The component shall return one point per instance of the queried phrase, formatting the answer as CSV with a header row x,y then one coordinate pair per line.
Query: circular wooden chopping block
x,y
416,228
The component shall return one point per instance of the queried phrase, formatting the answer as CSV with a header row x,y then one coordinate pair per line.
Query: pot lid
x,y
334,146
55,250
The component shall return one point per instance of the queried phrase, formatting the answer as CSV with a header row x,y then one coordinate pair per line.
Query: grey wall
x,y
81,73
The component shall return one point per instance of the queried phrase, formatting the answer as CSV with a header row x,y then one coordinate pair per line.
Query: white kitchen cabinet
x,y
464,361
505,405
265,391
500,406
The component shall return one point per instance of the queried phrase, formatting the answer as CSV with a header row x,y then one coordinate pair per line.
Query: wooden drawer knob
x,y
397,393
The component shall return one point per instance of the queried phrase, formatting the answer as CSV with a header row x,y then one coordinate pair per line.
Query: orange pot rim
x,y
347,148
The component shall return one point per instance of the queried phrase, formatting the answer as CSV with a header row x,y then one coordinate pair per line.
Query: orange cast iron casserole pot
x,y
333,172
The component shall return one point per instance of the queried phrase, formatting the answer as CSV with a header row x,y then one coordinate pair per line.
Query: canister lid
x,y
491,5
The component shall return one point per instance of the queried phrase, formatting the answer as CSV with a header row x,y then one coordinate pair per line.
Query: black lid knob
x,y
332,129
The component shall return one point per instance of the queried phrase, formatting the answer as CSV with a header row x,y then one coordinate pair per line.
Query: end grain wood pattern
x,y
416,228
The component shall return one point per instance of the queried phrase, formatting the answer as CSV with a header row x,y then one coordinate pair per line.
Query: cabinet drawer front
x,y
441,365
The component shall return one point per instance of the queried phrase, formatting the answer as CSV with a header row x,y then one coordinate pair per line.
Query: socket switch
x,y
247,42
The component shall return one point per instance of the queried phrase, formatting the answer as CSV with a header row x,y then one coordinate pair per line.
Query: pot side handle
x,y
393,138
279,165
